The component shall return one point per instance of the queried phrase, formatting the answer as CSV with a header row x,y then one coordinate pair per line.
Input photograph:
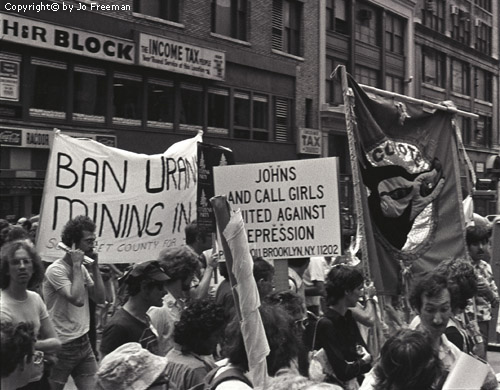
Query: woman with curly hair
x,y
408,361
196,335
21,269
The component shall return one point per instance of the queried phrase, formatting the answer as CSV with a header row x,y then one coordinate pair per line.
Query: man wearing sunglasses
x,y
146,287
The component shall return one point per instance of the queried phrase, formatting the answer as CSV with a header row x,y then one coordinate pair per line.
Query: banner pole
x,y
349,119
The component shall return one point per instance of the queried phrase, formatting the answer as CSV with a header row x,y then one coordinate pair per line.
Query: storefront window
x,y
218,110
89,101
241,115
127,98
191,107
49,89
161,103
260,118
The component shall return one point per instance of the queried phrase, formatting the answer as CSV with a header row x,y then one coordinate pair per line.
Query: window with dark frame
x,y
336,16
394,34
483,85
260,119
394,84
161,103
460,77
127,99
433,14
367,24
286,26
483,38
191,110
229,18
434,67
241,118
461,26
466,130
89,94
50,84
163,9
483,133
367,76
218,109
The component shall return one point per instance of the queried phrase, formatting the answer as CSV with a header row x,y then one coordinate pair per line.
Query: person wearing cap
x,y
146,286
180,264
132,367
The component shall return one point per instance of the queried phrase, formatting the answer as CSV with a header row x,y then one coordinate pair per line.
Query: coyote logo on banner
x,y
411,196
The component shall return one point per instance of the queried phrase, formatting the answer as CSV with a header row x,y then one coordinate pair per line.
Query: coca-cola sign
x,y
11,137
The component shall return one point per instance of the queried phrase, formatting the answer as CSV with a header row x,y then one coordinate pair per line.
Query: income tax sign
x,y
139,203
290,208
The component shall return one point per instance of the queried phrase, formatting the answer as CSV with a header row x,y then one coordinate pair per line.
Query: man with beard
x,y
180,264
66,288
145,283
487,297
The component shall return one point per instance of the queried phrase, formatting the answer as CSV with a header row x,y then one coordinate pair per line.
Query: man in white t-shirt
x,y
314,282
66,288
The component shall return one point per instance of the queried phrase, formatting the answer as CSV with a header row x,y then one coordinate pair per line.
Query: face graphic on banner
x,y
397,199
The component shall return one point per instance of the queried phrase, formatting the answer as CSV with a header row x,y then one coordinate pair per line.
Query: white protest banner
x,y
140,203
290,208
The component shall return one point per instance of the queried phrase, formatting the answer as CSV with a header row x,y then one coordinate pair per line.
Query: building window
x,y
394,84
333,90
282,119
434,67
483,133
218,110
49,89
161,103
461,22
260,117
433,14
483,85
286,22
460,81
89,96
368,76
483,38
163,9
229,18
466,130
394,34
485,4
367,24
308,122
127,99
191,106
241,118
336,16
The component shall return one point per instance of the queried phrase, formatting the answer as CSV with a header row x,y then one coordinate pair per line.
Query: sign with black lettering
x,y
309,141
181,57
42,139
290,208
10,70
68,40
140,203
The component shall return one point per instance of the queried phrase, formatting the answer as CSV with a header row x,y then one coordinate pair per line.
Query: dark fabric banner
x,y
209,156
411,197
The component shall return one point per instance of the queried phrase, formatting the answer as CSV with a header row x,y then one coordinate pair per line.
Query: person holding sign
x,y
200,243
66,288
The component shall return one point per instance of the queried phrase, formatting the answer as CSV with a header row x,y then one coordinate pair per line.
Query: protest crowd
x,y
164,324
